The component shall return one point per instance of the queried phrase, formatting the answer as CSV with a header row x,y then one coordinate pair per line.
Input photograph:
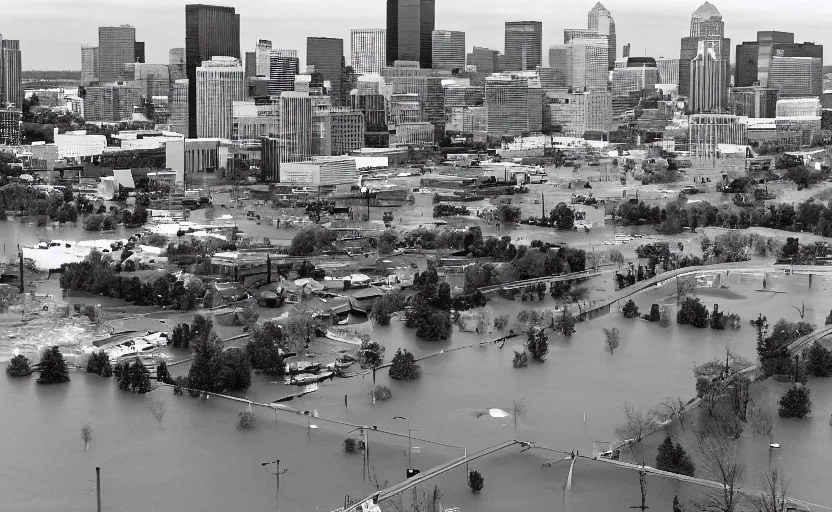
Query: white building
x,y
580,112
797,107
219,83
262,57
320,171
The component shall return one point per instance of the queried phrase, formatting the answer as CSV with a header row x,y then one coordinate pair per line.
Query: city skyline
x,y
161,24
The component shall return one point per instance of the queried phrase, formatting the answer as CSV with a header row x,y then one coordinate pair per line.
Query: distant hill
x,y
51,75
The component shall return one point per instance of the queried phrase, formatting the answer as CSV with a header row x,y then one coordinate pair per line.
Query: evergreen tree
x,y
162,373
674,458
19,367
630,309
819,361
201,375
53,368
538,344
106,366
94,364
795,403
403,366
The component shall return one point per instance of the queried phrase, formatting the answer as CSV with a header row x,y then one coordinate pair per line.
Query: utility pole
x,y
20,255
276,474
98,488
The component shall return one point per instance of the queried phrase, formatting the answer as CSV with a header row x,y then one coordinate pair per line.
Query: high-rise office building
x,y
138,52
448,50
220,82
524,45
579,112
484,59
600,20
152,79
326,54
284,65
178,120
514,105
582,64
754,101
625,52
347,130
368,50
10,126
410,25
632,82
668,70
705,25
296,120
89,64
111,102
250,64
263,53
209,31
11,78
796,76
707,81
116,47
753,58
176,63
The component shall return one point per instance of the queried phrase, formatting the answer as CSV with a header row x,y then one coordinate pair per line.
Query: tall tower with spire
x,y
600,21
706,26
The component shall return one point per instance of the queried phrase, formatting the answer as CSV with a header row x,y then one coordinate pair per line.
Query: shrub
x,y
521,359
630,309
246,421
19,367
795,403
475,480
179,385
351,445
382,393
501,322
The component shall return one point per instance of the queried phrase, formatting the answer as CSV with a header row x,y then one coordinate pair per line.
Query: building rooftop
x,y
706,11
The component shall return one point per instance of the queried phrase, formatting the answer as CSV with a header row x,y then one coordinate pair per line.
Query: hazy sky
x,y
51,31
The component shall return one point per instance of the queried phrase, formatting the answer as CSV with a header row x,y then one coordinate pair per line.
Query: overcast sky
x,y
51,31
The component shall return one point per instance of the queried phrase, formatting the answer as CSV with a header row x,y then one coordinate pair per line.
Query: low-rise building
x,y
320,171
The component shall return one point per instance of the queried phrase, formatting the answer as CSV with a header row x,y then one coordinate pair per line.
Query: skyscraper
x,y
284,65
754,57
138,52
250,64
209,31
11,79
89,64
600,20
707,81
327,55
176,63
514,105
484,59
581,64
116,47
179,107
705,25
524,45
410,25
263,52
368,50
448,50
220,82
295,127
668,70
796,77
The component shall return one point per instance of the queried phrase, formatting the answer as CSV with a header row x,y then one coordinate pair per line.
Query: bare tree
x,y
612,339
719,461
86,434
158,410
761,420
674,409
518,410
642,482
773,498
637,425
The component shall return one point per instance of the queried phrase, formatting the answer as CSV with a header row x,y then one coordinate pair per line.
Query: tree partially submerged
x,y
720,461
630,309
795,403
612,340
52,367
637,424
19,366
403,366
674,458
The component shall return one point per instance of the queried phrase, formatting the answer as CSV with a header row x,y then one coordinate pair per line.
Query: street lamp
x,y
409,442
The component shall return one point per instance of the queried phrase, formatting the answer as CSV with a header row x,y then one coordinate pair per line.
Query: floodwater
x,y
197,459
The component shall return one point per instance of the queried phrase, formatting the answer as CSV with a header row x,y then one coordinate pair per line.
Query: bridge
x,y
546,279
598,308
